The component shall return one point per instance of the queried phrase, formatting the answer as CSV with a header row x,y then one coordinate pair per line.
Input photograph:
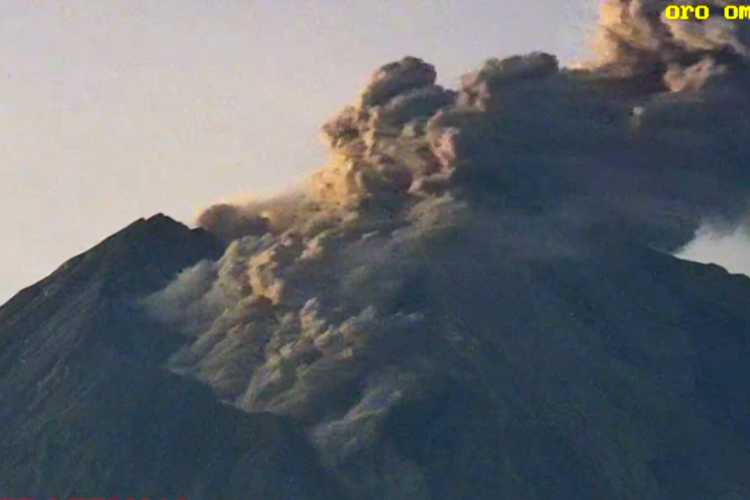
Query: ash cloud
x,y
636,38
326,295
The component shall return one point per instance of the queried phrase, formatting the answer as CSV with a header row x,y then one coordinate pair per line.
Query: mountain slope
x,y
87,411
617,373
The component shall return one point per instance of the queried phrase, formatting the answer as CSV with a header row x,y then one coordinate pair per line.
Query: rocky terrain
x,y
88,411
615,376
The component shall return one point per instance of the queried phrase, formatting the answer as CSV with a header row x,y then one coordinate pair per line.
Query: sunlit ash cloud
x,y
343,282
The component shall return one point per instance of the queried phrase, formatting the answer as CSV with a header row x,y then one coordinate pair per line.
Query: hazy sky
x,y
112,110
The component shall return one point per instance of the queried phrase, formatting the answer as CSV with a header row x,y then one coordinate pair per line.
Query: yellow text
x,y
702,12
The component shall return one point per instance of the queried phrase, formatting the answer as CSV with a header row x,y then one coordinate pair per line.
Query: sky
x,y
114,110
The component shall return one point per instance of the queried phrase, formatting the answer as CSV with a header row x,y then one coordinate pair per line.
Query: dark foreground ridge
x,y
87,412
574,379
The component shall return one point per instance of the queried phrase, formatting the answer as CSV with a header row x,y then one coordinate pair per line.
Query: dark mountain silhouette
x,y
86,410
579,379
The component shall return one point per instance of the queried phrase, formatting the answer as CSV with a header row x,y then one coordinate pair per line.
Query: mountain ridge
x,y
128,378
88,411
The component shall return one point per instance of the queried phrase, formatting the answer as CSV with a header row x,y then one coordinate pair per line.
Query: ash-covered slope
x,y
617,374
621,373
87,411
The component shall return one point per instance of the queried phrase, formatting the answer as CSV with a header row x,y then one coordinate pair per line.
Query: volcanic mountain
x,y
88,411
476,299
618,375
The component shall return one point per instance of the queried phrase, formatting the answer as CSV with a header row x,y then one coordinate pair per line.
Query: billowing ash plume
x,y
333,304
636,38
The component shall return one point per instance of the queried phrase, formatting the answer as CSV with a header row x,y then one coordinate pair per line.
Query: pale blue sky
x,y
112,110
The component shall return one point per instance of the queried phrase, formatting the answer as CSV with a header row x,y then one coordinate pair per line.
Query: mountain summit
x,y
87,410
618,375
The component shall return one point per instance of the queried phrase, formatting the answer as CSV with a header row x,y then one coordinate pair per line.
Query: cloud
x,y
326,292
636,38
731,251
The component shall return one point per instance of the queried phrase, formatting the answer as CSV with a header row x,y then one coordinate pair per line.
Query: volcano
x,y
477,298
574,378
88,409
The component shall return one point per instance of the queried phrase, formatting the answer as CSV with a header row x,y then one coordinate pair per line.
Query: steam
x,y
728,250
334,303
